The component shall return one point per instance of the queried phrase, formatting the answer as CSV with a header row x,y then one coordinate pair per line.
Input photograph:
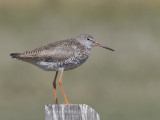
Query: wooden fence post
x,y
70,112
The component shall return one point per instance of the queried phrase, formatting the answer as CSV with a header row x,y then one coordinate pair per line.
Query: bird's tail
x,y
15,55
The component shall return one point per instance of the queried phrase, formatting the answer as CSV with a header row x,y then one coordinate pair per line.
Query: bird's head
x,y
88,41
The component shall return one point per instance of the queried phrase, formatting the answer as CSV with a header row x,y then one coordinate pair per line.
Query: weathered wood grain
x,y
70,112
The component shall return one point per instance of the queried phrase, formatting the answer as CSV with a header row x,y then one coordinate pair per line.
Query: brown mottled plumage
x,y
60,56
59,53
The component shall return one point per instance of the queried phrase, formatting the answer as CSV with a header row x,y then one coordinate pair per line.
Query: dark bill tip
x,y
107,48
104,47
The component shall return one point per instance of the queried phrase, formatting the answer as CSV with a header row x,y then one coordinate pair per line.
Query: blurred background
x,y
120,85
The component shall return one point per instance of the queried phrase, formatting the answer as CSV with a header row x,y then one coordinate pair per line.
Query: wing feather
x,y
54,52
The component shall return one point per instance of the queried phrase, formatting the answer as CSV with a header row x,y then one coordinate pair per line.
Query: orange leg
x,y
60,83
54,88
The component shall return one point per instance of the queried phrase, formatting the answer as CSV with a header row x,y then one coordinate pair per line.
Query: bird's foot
x,y
66,102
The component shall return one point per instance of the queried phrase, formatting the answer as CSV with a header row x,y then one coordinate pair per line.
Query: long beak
x,y
99,45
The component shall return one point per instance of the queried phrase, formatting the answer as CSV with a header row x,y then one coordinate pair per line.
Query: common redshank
x,y
61,56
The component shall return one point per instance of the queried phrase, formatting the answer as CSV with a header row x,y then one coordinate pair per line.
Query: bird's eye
x,y
89,39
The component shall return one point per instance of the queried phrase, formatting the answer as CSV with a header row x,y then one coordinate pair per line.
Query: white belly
x,y
49,66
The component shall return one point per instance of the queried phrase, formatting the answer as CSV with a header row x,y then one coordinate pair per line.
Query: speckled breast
x,y
66,65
